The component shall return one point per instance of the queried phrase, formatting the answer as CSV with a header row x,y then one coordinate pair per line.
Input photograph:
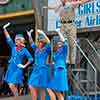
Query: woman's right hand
x,y
29,32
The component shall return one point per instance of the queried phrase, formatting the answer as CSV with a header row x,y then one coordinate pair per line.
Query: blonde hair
x,y
41,40
22,40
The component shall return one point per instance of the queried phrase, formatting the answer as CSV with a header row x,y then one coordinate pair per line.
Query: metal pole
x,y
38,17
93,47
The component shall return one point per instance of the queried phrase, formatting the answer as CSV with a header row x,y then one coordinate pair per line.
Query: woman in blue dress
x,y
14,74
39,76
59,81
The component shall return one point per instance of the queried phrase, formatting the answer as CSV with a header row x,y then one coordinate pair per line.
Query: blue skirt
x,y
14,74
39,77
59,80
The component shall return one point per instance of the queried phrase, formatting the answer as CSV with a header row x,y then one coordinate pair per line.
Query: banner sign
x,y
86,16
53,18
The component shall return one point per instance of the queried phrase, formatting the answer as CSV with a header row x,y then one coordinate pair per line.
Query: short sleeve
x,y
48,48
10,42
28,55
33,46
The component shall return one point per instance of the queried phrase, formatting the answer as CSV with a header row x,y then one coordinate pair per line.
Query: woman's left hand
x,y
40,31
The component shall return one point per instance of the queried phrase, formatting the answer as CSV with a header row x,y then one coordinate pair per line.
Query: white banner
x,y
53,18
86,16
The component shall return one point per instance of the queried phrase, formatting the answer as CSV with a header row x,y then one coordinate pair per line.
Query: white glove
x,y
21,66
29,32
40,31
57,30
6,25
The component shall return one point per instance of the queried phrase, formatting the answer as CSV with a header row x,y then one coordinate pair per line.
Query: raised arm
x,y
31,40
5,30
56,7
41,32
76,3
60,35
62,4
29,35
9,40
84,1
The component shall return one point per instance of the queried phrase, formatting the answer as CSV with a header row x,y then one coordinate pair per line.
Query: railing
x,y
93,54
92,66
96,55
81,89
93,47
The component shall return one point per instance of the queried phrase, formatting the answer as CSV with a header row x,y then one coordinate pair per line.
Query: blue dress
x,y
59,80
39,76
14,74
